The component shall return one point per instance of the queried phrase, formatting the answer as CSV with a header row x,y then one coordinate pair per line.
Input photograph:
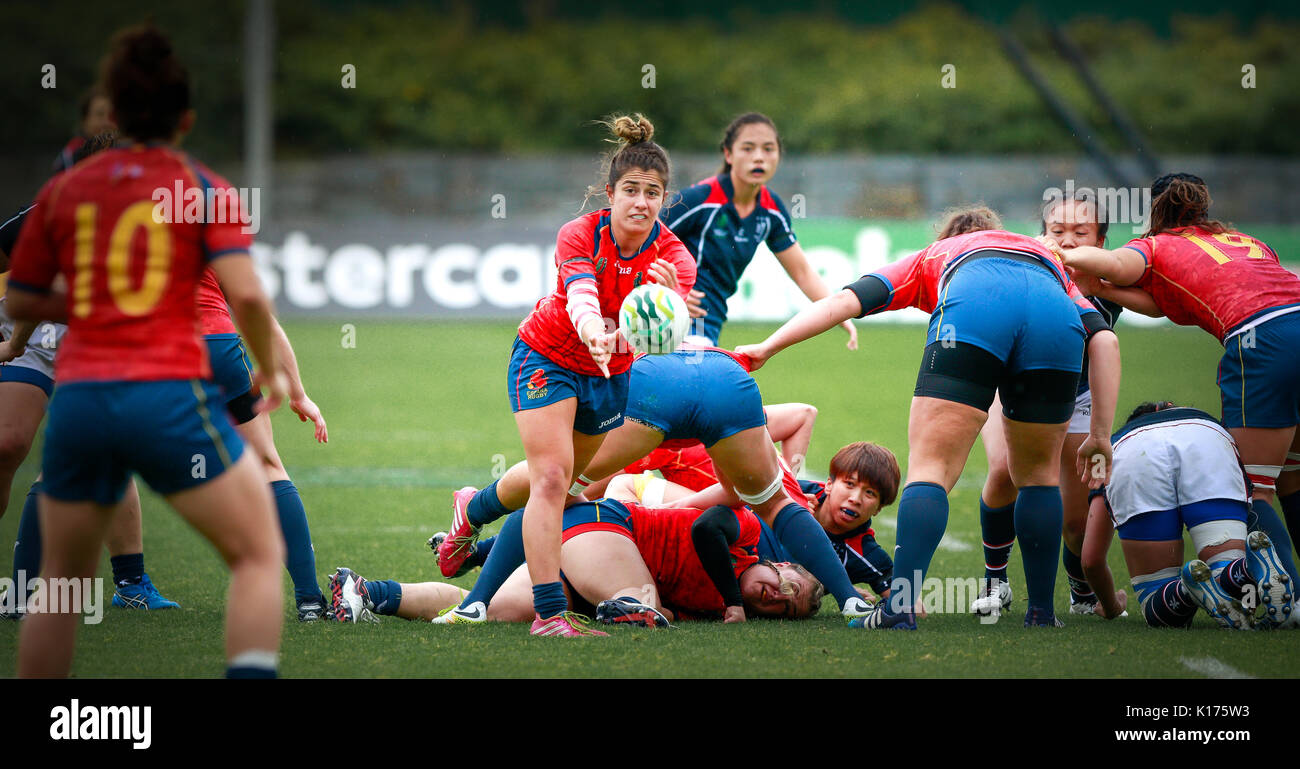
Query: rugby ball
x,y
654,319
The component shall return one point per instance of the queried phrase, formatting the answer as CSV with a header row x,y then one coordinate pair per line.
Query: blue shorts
x,y
1167,525
173,433
1259,375
601,515
10,373
1018,312
695,395
534,380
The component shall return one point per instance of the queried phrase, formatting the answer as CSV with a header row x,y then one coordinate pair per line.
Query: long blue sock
x,y
482,549
386,595
1291,512
922,519
1266,519
27,548
549,600
808,545
506,556
1038,527
299,556
128,569
998,530
486,506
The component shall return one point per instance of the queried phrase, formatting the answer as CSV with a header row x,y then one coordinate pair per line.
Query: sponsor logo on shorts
x,y
611,420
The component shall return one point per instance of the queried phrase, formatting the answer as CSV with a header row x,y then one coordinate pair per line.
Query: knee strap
x,y
765,494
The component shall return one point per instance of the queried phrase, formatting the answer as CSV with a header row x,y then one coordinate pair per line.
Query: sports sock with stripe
x,y
1170,606
1038,528
1232,577
485,506
128,569
300,559
922,519
809,546
998,530
1080,590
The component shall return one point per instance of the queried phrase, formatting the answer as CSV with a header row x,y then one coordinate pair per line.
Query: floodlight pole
x,y
259,34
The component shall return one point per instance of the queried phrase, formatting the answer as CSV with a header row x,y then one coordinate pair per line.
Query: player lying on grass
x,y
1080,220
1176,467
1004,319
694,394
864,479
633,564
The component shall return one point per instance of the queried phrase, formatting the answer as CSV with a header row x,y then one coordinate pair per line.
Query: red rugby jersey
x,y
585,248
214,313
664,538
915,281
689,466
131,277
1215,281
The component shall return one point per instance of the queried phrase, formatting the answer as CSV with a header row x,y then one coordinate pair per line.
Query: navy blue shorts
x,y
27,375
694,394
232,372
1259,375
173,433
601,515
534,380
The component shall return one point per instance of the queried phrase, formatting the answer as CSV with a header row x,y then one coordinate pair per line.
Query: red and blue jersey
x,y
214,313
704,216
585,248
131,275
664,538
1216,281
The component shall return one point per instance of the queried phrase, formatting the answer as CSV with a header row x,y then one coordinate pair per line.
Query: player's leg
x,y
301,556
627,443
22,407
547,435
1154,565
748,460
997,518
235,513
73,535
1288,489
1074,524
1263,452
132,586
1033,457
605,565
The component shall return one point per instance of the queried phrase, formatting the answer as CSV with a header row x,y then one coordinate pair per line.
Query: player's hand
x,y
7,351
733,614
306,409
1093,462
1052,246
602,346
756,353
848,326
274,388
1120,597
693,304
664,273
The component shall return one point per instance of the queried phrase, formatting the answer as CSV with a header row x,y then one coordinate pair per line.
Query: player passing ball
x,y
568,375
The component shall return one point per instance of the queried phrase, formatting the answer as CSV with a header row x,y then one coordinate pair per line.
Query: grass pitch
x,y
416,410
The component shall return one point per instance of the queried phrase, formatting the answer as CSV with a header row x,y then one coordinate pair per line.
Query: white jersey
x,y
41,347
1165,464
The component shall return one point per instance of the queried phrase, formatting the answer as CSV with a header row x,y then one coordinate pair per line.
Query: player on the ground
x,y
1199,272
232,371
567,377
1177,467
132,371
626,562
1080,220
26,384
724,218
694,394
1006,319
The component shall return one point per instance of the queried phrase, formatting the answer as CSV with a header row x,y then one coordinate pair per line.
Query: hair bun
x,y
632,130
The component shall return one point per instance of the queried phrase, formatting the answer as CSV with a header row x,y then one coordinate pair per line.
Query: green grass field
x,y
418,409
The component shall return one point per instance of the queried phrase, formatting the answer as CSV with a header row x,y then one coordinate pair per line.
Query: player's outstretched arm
x,y
712,534
1096,544
796,265
791,425
811,321
1093,462
302,405
252,311
17,342
1121,266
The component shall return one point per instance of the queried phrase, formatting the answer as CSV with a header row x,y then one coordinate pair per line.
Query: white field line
x,y
1212,668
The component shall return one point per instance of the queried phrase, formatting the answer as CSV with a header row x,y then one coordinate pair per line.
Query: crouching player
x,y
632,564
1176,467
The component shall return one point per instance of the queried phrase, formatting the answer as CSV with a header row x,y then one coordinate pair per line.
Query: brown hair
x,y
959,221
815,591
147,85
1181,200
871,463
733,129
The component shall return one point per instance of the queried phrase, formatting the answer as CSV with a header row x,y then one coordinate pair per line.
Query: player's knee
x,y
549,481
13,450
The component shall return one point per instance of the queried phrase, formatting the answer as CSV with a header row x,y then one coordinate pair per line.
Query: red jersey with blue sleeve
x,y
585,250
131,275
664,538
917,280
214,313
1216,281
